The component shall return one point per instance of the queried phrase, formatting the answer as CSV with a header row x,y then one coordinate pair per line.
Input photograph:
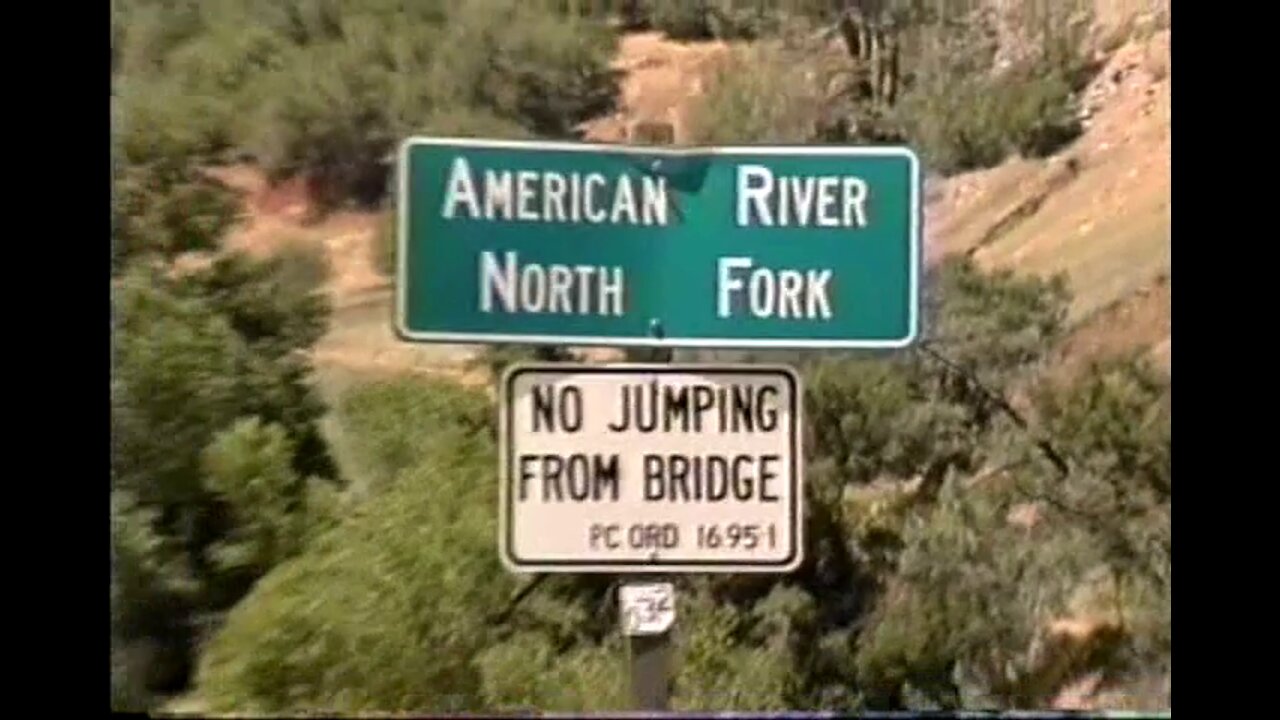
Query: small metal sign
x,y
647,609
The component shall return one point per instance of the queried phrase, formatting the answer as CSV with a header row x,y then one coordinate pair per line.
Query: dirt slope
x,y
662,81
1099,211
274,215
360,341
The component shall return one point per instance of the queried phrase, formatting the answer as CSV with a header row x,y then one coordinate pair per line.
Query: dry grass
x,y
360,342
361,338
283,214
1142,320
1157,63
1119,21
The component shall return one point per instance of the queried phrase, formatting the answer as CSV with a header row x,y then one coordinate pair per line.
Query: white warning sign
x,y
667,468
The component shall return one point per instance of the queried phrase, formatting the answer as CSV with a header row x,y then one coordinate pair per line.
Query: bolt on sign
x,y
663,468
802,247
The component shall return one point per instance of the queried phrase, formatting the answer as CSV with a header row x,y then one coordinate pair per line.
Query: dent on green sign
x,y
807,246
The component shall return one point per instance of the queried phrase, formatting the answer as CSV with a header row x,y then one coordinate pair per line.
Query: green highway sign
x,y
742,247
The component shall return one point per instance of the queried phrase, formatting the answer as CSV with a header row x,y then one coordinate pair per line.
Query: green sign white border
x,y
402,194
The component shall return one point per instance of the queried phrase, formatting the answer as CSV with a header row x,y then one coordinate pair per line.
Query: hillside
x,y
1097,211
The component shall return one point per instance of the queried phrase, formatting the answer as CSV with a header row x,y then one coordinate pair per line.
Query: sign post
x,y
655,469
648,612
650,469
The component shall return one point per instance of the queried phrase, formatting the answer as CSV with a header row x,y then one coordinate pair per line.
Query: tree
x,y
1115,425
338,106
389,609
379,420
249,468
970,616
160,209
326,90
908,73
885,437
195,352
193,484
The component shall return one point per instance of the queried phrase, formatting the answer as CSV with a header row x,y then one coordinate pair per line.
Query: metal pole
x,y
649,652
647,612
650,660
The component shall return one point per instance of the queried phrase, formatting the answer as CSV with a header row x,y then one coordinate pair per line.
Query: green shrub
x,y
978,124
393,424
183,371
526,65
195,63
249,468
328,89
854,410
147,31
993,323
953,105
160,212
274,304
963,114
528,671
687,20
766,93
1039,108
337,108
724,19
161,207
765,655
215,71
188,362
150,121
387,611
325,116
302,265
1099,548
955,127
173,387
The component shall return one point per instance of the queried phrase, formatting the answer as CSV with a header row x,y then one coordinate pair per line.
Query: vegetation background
x,y
985,529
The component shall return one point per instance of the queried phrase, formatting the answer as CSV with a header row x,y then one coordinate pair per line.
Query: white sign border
x,y
402,191
661,566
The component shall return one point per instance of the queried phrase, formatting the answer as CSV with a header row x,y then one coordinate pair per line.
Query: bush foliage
x,y
417,560
327,90
958,105
918,591
219,470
